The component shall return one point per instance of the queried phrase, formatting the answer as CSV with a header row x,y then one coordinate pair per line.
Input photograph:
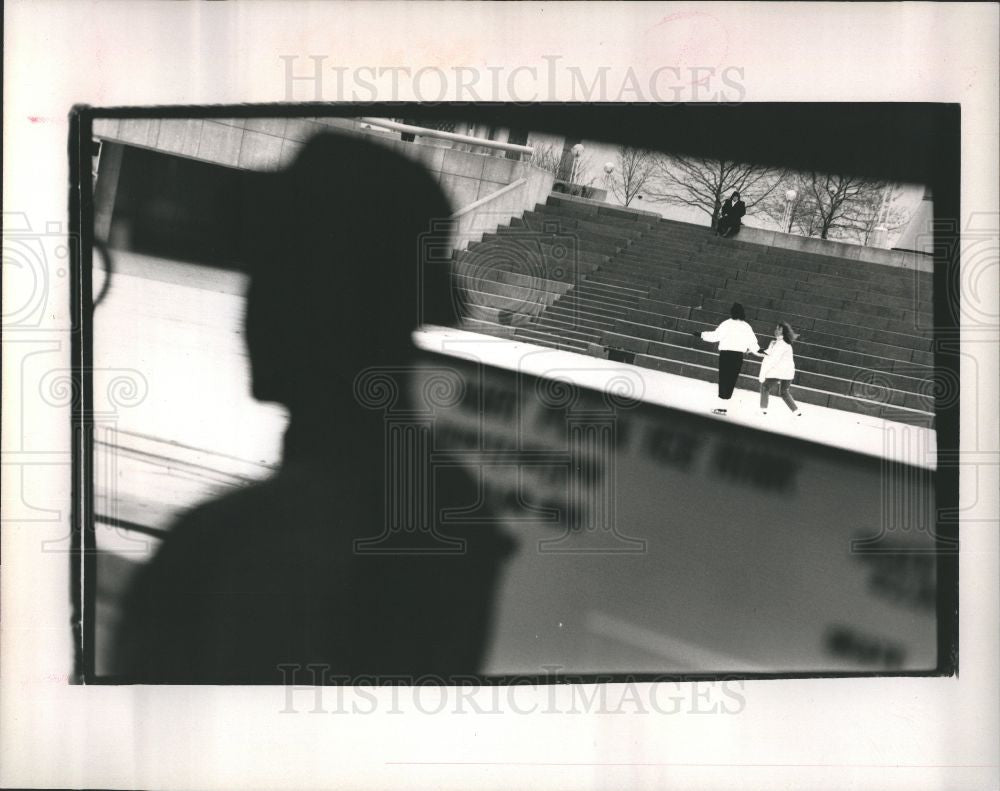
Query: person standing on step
x,y
731,216
778,368
735,338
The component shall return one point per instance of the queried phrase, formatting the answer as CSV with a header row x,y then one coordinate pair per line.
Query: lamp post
x,y
577,152
880,234
786,220
609,168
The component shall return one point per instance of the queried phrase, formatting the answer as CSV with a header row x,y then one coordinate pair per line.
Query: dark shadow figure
x,y
250,587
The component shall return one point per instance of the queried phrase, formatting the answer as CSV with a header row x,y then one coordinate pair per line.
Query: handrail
x,y
420,131
489,198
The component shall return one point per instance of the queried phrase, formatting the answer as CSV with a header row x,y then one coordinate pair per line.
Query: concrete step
x,y
487,328
535,246
516,292
805,293
802,394
613,296
594,249
724,298
823,306
479,301
564,330
805,260
817,262
604,212
820,263
806,325
845,290
764,330
863,344
762,282
572,301
787,263
473,281
552,341
676,330
637,289
585,240
580,318
553,223
845,380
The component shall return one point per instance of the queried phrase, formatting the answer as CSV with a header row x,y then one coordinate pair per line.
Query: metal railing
x,y
420,131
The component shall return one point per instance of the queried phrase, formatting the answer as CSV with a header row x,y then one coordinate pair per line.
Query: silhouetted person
x,y
731,216
270,575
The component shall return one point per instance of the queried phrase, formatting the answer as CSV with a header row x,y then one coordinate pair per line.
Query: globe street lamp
x,y
609,168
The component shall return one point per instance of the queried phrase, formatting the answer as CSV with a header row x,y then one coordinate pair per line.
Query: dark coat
x,y
272,577
255,587
731,215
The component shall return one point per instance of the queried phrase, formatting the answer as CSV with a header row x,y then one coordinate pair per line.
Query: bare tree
x,y
834,206
704,183
634,168
554,160
844,207
797,215
547,157
831,196
582,173
874,208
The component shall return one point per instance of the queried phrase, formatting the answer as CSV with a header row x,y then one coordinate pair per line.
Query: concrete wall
x,y
898,258
271,143
497,208
855,252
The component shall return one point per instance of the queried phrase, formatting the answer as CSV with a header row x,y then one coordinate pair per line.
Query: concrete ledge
x,y
919,262
902,259
610,207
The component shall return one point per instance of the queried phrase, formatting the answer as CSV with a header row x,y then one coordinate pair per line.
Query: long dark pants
x,y
728,228
785,389
730,364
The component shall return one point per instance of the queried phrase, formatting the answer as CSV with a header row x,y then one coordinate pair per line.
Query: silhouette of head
x,y
735,196
337,251
737,312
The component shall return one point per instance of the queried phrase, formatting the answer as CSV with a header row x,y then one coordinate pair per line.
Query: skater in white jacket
x,y
735,338
778,368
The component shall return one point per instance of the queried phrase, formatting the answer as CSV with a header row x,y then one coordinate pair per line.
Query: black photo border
x,y
906,142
